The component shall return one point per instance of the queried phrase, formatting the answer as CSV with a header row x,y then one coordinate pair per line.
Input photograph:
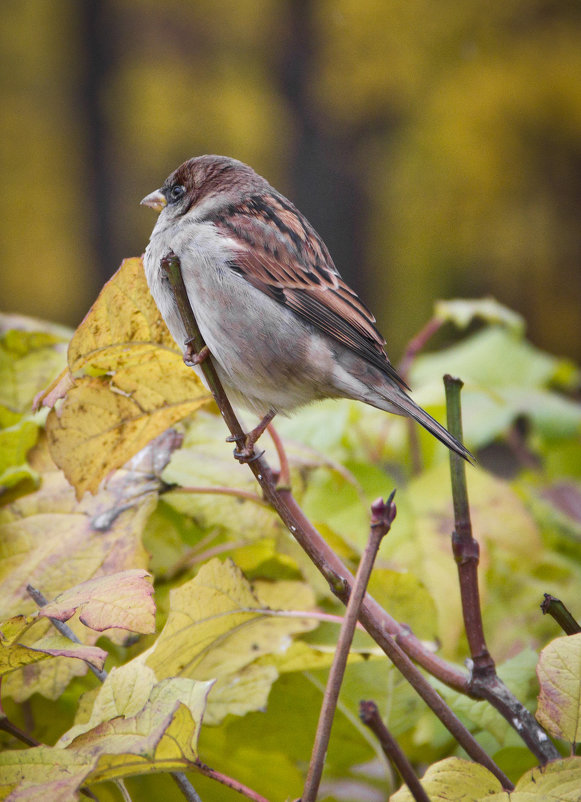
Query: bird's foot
x,y
244,452
192,357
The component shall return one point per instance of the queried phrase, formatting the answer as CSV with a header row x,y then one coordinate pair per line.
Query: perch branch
x,y
372,616
382,516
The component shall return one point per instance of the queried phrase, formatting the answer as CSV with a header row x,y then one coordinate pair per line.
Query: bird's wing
x,y
282,255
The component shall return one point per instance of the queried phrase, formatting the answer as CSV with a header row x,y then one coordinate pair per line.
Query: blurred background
x,y
436,147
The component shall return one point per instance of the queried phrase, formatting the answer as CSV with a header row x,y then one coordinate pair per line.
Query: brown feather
x,y
283,256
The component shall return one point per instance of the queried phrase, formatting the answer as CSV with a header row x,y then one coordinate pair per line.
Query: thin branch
x,y
416,344
372,616
555,608
284,475
484,682
230,783
123,789
217,490
369,715
193,557
16,732
186,787
382,517
465,547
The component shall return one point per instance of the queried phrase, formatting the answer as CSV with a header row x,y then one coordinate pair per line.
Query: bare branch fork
x,y
484,682
386,632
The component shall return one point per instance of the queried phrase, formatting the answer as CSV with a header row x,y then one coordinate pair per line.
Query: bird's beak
x,y
155,200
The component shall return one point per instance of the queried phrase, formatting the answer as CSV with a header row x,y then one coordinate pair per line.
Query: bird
x,y
281,325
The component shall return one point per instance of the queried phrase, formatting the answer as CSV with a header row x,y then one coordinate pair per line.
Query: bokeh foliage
x,y
435,146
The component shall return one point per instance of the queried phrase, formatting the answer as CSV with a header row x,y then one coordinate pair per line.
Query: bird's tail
x,y
406,406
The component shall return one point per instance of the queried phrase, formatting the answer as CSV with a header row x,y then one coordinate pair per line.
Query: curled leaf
x,y
122,600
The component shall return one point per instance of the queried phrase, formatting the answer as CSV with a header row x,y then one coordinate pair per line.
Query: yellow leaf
x,y
122,326
130,383
559,673
241,692
218,626
161,736
559,781
41,774
453,780
135,744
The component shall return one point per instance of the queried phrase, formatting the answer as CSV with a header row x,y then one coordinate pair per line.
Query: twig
x,y
186,787
229,782
65,630
218,490
375,620
465,547
555,608
484,682
284,475
123,789
194,556
416,344
11,728
369,715
382,516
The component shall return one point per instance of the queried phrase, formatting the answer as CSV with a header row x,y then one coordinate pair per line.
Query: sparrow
x,y
281,325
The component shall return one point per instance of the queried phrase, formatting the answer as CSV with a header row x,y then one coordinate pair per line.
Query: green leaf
x,y
406,598
463,311
15,443
205,460
559,673
510,546
29,359
492,358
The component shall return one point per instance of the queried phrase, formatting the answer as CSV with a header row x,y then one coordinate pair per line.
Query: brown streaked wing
x,y
284,257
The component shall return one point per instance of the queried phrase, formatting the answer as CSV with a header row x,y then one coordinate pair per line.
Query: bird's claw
x,y
192,357
247,455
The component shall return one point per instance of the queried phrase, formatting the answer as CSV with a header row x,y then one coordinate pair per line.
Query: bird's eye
x,y
176,192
